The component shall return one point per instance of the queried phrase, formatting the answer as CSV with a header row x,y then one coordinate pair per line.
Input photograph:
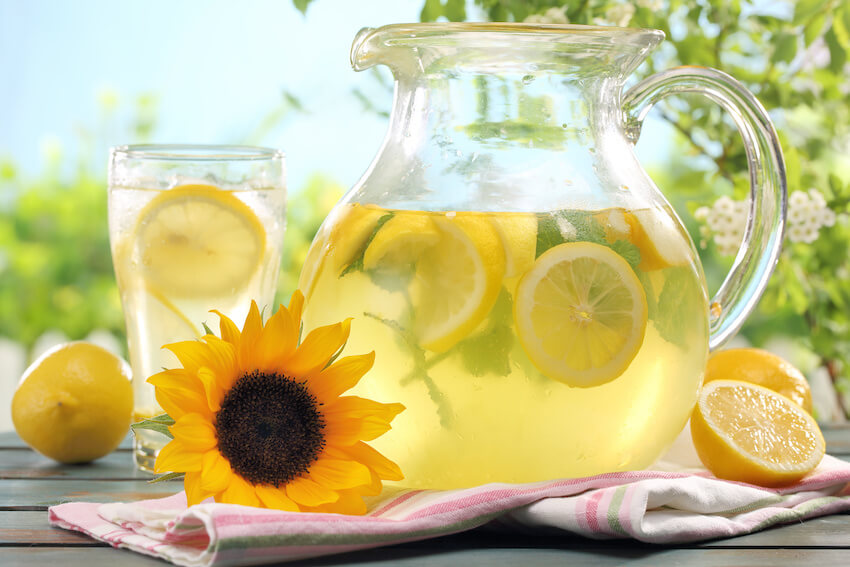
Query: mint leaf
x,y
489,351
356,265
673,318
627,250
391,280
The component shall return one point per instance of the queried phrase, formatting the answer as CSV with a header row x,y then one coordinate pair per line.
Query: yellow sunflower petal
x,y
229,330
278,339
213,391
216,472
341,376
309,493
350,502
375,486
355,407
176,457
318,347
296,306
370,457
275,498
338,474
195,432
222,360
251,331
191,354
195,494
182,392
240,491
348,431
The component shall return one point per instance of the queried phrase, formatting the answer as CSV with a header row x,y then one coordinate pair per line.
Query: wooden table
x,y
29,483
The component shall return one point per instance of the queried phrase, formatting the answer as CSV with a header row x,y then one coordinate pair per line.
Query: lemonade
x,y
179,252
524,346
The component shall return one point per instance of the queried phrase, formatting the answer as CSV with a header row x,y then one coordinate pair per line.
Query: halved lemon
x,y
761,367
400,241
198,240
581,314
748,433
457,280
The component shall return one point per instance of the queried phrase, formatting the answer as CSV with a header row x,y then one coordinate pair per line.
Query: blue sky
x,y
217,66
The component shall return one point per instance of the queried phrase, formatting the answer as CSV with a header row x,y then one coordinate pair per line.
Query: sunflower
x,y
259,418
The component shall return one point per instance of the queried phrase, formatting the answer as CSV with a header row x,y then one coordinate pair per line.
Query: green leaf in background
x,y
302,5
452,10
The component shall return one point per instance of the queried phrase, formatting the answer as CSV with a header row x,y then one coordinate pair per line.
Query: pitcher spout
x,y
422,48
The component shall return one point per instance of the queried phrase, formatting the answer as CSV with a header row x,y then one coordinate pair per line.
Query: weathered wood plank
x,y
829,531
32,528
24,463
38,494
10,440
417,556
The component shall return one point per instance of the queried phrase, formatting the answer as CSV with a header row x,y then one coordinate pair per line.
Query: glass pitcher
x,y
532,298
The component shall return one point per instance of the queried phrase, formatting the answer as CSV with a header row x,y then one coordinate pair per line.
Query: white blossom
x,y
653,5
620,14
726,220
551,16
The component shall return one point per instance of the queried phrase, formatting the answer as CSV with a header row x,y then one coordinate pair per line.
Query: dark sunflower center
x,y
269,428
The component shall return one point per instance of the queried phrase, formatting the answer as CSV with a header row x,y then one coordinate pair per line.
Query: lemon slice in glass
x,y
581,314
198,240
457,280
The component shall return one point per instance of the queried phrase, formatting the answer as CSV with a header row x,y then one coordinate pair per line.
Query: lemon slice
x,y
749,433
400,241
661,242
198,240
350,231
518,234
581,314
457,280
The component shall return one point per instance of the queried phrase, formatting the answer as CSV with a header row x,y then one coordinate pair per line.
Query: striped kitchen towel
x,y
651,506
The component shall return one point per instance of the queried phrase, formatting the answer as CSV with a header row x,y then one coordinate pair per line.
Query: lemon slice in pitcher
x,y
198,240
457,280
401,241
581,314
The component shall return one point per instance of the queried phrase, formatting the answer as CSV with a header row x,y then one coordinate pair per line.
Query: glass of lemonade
x,y
192,228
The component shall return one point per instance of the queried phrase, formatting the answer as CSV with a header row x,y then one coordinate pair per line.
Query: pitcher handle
x,y
759,252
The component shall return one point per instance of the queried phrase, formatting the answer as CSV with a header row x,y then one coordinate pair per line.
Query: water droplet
x,y
528,79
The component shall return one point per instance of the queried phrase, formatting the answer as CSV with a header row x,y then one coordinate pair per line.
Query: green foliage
x,y
451,10
793,56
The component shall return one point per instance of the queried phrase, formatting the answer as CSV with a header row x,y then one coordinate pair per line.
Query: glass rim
x,y
195,152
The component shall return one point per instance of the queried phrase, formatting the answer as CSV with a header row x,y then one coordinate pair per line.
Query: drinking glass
x,y
192,228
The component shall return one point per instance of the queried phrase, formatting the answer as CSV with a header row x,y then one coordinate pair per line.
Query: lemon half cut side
x,y
581,314
748,433
198,240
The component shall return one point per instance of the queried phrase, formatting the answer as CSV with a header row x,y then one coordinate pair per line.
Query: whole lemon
x,y
74,403
762,368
